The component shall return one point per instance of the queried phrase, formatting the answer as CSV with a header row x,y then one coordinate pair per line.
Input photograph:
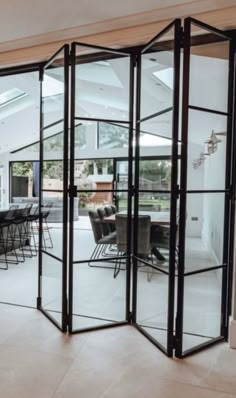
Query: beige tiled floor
x,y
37,361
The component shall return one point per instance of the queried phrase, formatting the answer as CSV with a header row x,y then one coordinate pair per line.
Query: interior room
x,y
117,199
101,174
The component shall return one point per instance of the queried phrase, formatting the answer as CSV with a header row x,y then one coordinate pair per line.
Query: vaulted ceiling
x,y
102,92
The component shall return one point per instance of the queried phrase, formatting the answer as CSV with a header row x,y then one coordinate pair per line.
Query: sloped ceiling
x,y
102,91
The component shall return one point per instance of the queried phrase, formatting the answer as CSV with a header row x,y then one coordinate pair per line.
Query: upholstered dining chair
x,y
144,228
102,241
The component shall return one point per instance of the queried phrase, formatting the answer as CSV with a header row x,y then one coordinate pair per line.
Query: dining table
x,y
157,217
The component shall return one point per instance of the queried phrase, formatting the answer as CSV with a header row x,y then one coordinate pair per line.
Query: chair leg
x,y
24,238
117,266
150,271
2,244
32,237
93,256
47,230
21,241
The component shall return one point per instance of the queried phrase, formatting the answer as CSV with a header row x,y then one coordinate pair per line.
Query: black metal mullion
x,y
202,346
228,198
108,121
65,188
100,327
183,187
159,35
233,191
156,114
71,197
40,262
151,339
130,189
183,194
174,191
54,56
101,48
136,185
208,28
48,126
208,110
203,270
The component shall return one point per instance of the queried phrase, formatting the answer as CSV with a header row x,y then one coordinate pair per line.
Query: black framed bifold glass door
x,y
102,108
155,212
136,158
53,191
205,193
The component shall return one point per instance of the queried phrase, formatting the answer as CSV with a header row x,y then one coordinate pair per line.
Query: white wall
x,y
208,88
195,180
213,209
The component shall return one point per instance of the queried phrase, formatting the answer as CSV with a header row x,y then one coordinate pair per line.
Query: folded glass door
x,y
155,209
53,189
101,131
205,188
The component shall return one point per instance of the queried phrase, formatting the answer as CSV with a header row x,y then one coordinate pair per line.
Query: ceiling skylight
x,y
152,140
52,87
11,95
165,76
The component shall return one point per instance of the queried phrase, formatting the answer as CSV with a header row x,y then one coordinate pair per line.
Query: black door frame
x,y
228,239
176,26
65,120
174,340
229,211
103,53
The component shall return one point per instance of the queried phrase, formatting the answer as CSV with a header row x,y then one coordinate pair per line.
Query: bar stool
x,y
7,237
22,231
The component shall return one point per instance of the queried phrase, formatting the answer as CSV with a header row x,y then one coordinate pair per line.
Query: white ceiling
x,y
102,92
25,18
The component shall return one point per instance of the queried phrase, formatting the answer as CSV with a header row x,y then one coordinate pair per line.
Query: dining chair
x,y
105,227
7,238
45,228
109,212
22,233
160,239
144,228
114,209
101,241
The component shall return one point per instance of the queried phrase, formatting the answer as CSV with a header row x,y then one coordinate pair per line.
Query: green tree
x,y
22,168
113,136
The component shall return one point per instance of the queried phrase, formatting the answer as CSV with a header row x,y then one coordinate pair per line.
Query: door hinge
x,y
130,317
174,342
181,36
135,60
41,74
177,191
224,331
132,190
231,193
39,302
72,191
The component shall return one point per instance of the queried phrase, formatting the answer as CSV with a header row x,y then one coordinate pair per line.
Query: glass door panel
x,y
53,195
102,88
156,186
205,189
